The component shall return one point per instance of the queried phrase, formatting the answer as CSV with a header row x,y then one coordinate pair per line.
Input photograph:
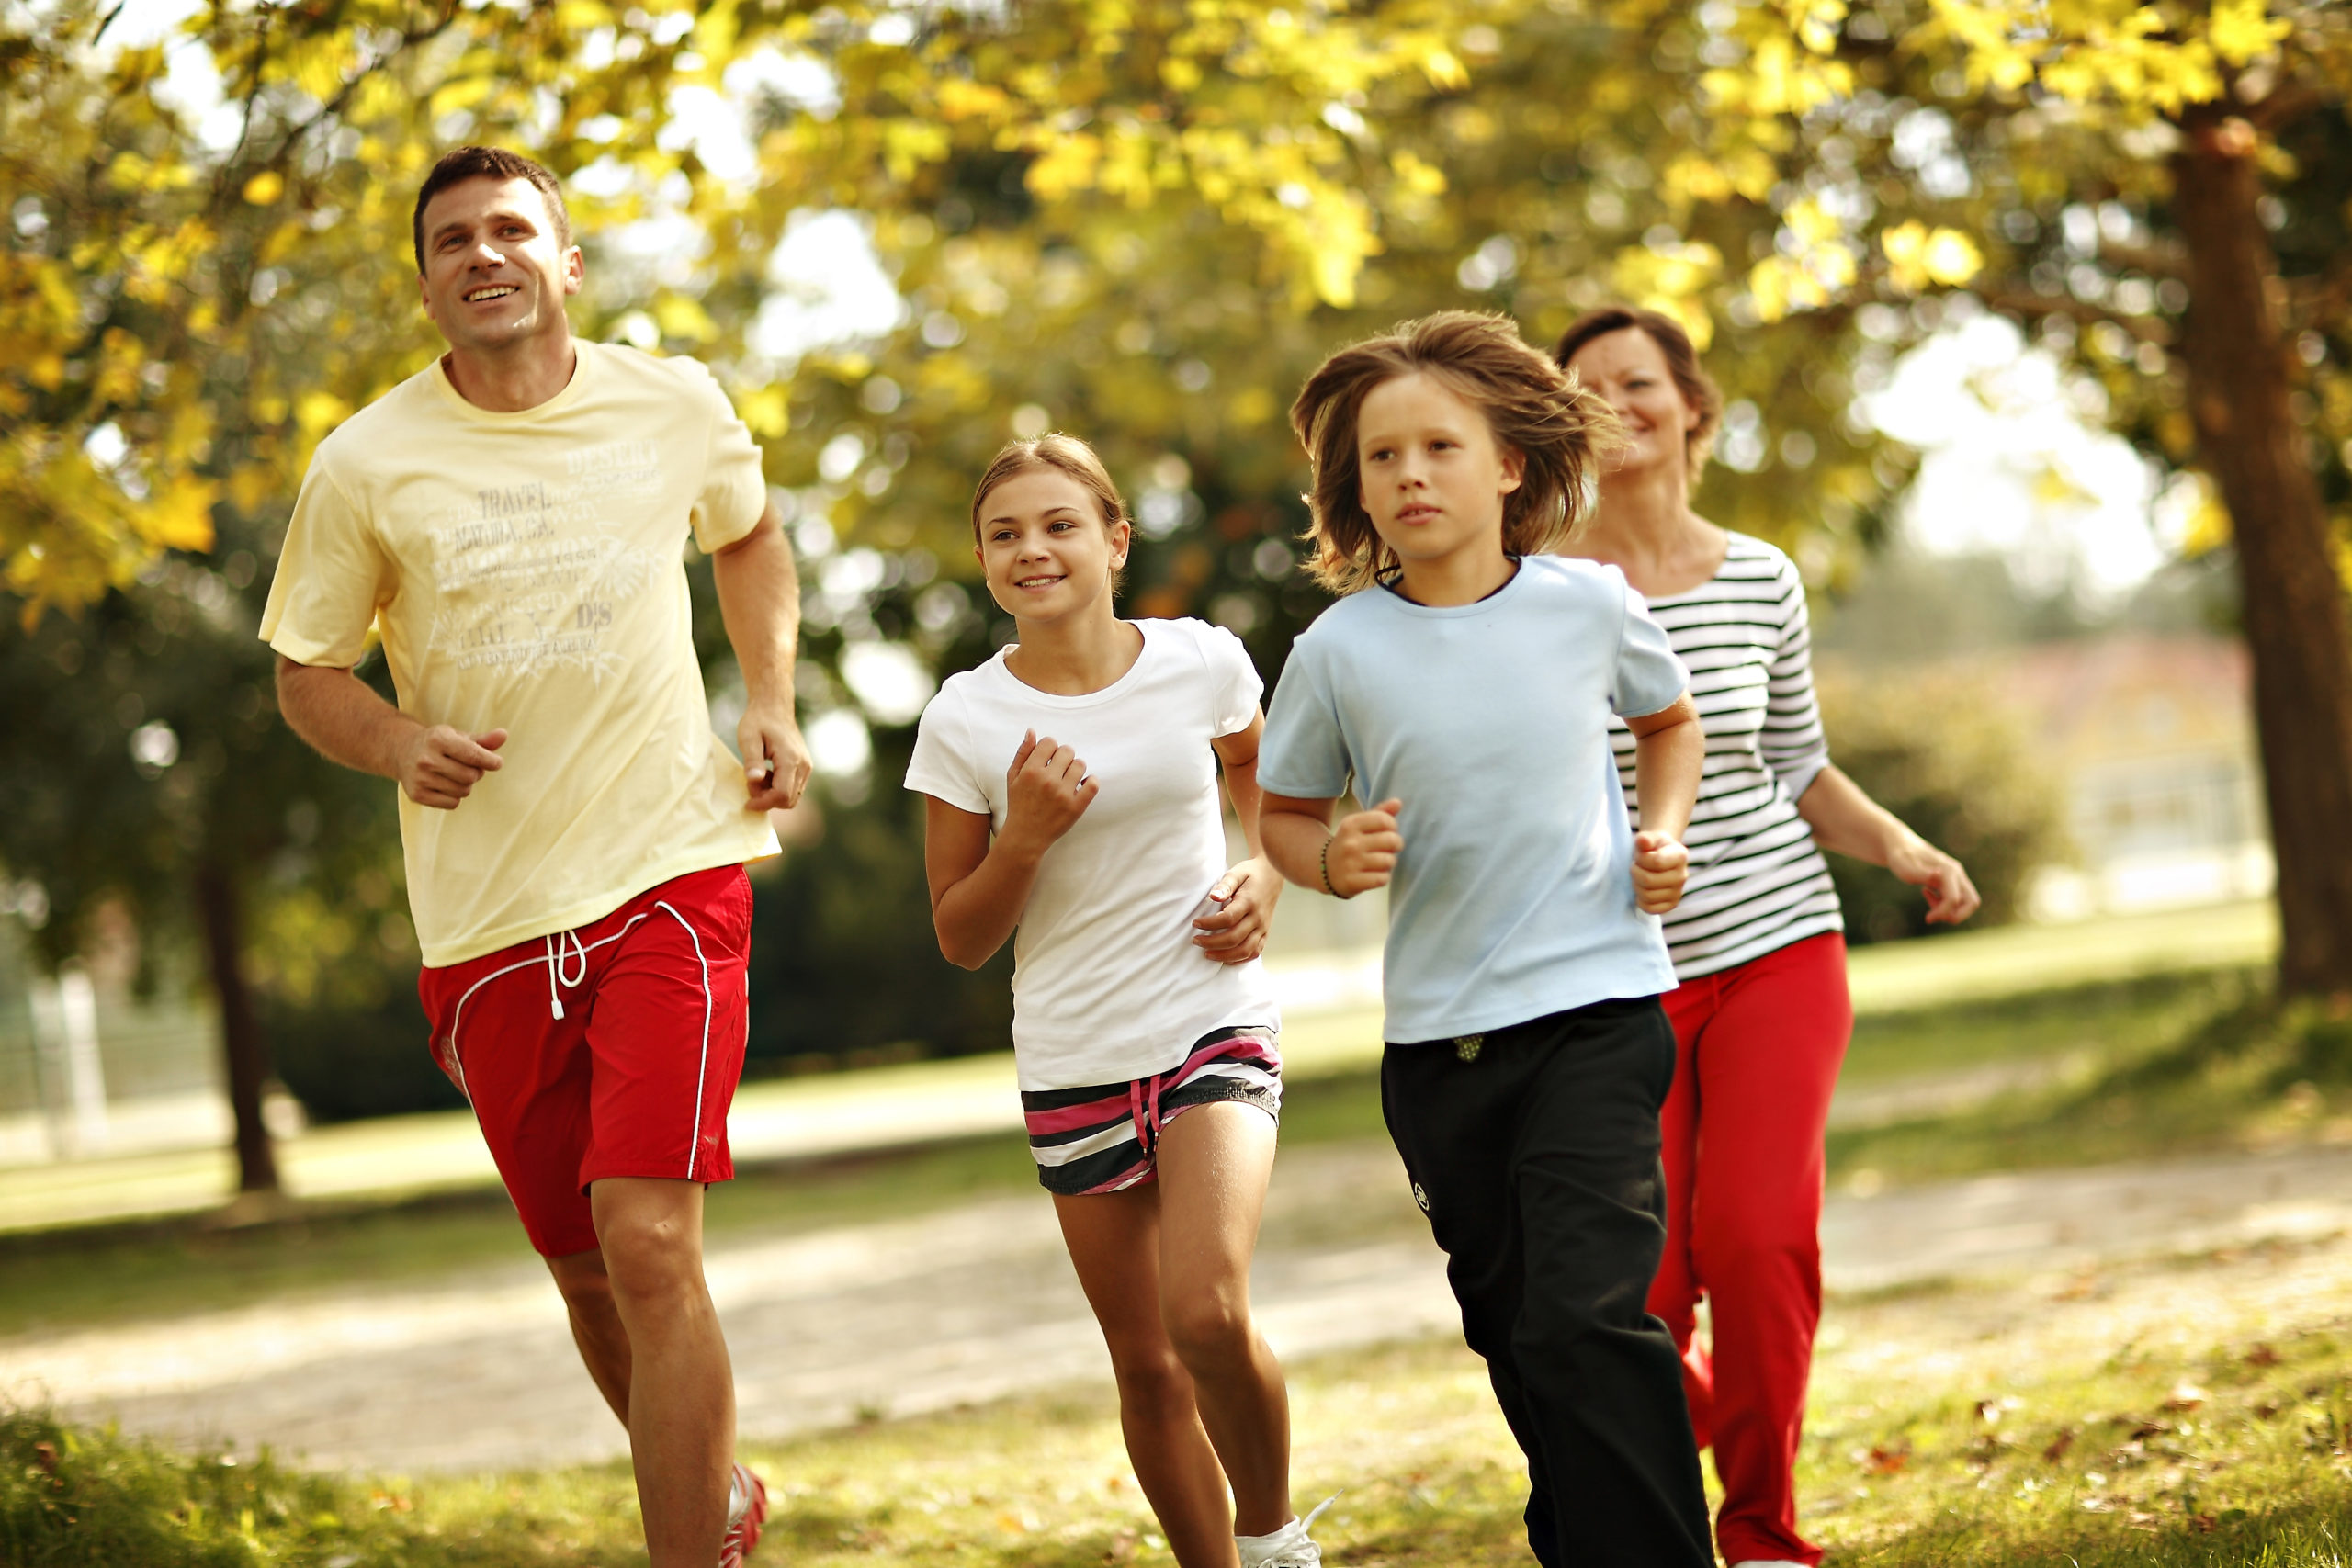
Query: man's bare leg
x,y
595,1324
638,1304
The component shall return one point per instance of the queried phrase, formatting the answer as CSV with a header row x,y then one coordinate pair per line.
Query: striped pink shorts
x,y
1105,1137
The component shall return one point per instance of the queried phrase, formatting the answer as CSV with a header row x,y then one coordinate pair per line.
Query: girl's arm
x,y
1239,753
978,887
1669,751
1236,932
1844,818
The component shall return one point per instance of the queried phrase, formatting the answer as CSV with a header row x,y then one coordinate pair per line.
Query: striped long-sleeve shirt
x,y
1756,881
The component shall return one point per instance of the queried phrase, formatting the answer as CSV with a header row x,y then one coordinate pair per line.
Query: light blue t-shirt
x,y
1514,896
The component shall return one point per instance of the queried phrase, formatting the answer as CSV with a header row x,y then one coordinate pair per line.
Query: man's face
x,y
494,271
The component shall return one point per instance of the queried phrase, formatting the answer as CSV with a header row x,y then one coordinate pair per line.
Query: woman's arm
x,y
1844,818
978,887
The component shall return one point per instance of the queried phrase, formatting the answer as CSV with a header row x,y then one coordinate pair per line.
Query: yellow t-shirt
x,y
527,571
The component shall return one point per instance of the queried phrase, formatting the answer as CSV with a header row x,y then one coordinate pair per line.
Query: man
x,y
512,520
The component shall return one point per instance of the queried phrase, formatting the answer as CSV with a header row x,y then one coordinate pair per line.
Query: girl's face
x,y
1431,475
1043,547
1627,367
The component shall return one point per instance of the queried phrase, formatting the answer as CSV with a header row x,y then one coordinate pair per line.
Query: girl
x,y
1761,1013
1072,786
1465,683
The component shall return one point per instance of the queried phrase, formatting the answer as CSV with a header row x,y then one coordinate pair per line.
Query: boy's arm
x,y
1357,857
1670,751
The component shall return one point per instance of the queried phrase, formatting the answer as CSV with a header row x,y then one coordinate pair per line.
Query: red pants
x,y
608,1051
1759,1048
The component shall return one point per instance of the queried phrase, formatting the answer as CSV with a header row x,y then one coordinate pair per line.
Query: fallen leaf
x,y
2186,1396
1887,1462
2202,1523
45,1456
2058,1446
2262,1356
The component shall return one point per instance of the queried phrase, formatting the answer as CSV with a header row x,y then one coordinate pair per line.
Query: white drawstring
x,y
559,966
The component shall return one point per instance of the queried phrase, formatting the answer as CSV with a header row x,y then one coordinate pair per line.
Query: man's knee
x,y
582,1278
648,1252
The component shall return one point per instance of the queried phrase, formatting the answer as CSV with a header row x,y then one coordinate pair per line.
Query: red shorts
x,y
612,1050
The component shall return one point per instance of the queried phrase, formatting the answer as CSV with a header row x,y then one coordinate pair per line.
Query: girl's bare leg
x,y
1215,1161
1114,1243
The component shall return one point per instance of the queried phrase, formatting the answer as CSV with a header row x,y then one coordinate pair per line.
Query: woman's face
x,y
1043,546
1627,367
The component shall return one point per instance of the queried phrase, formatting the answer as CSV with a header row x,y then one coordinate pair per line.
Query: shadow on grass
x,y
2188,1064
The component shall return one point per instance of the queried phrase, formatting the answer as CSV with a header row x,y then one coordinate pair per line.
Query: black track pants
x,y
1534,1151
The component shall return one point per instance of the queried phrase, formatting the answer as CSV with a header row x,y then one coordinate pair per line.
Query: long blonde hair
x,y
1532,406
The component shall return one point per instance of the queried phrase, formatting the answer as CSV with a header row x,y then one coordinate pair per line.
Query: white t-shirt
x,y
1107,986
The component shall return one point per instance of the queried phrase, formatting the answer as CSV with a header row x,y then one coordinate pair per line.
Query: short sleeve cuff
x,y
926,780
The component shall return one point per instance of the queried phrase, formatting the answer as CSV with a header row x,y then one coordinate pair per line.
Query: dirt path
x,y
976,1301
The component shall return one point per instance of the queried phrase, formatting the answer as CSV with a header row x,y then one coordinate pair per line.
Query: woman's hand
x,y
1048,791
1951,898
1363,849
1236,931
1660,867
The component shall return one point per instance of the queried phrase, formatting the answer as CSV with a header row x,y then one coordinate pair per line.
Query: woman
x,y
1761,1012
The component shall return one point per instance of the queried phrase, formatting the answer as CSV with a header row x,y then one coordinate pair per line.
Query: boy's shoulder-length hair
x,y
1533,407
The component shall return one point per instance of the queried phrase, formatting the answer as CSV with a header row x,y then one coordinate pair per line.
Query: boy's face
x,y
1043,547
494,271
1429,471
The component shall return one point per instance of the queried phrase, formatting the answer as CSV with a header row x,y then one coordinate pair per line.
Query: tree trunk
x,y
240,1036
2250,443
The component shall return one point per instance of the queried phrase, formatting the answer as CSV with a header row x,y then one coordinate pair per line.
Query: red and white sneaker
x,y
747,1510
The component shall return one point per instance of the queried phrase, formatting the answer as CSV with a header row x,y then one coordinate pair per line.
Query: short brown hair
x,y
459,164
1531,405
1698,389
1066,454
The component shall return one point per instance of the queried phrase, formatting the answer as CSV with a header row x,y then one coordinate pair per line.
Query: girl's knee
x,y
1209,1329
1150,1379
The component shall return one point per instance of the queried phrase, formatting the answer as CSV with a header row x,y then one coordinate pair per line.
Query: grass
x,y
2079,1422
2151,1069
2103,1022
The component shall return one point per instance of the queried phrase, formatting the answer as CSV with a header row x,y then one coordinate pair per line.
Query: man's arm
x,y
759,598
343,719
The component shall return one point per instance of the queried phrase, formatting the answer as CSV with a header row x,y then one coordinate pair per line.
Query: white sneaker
x,y
1289,1547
